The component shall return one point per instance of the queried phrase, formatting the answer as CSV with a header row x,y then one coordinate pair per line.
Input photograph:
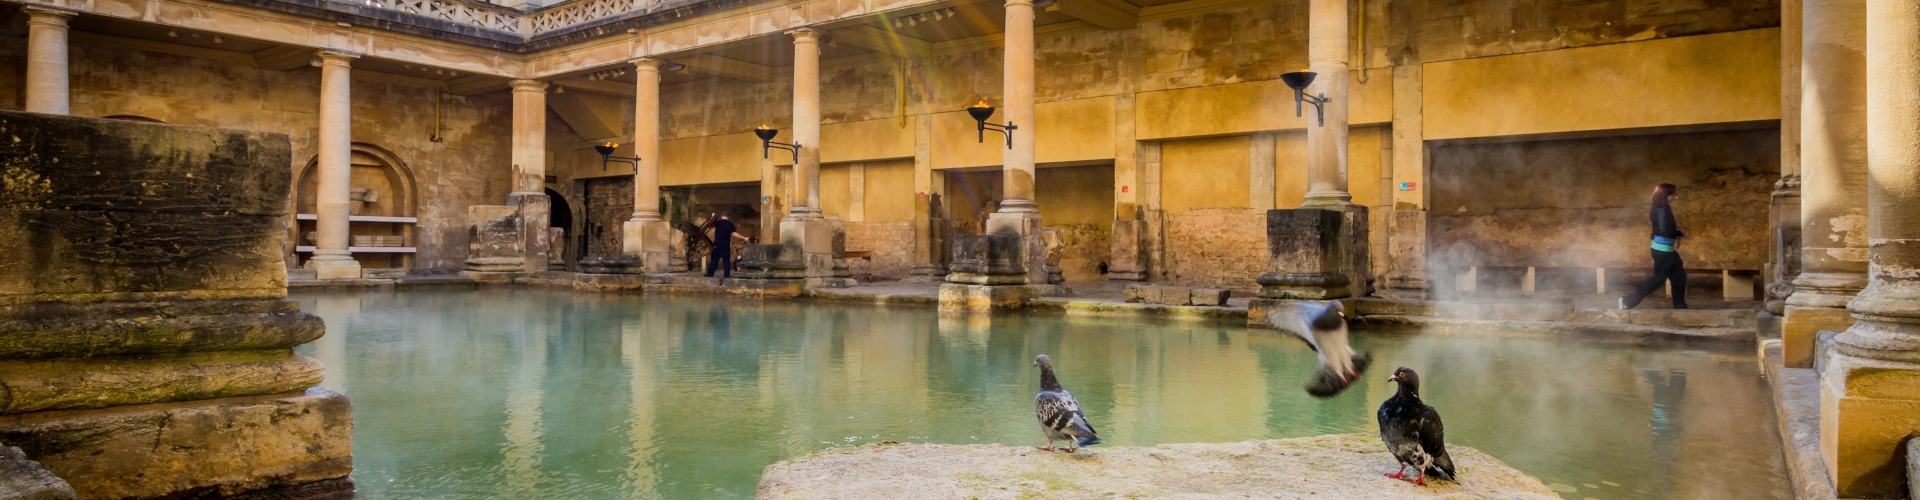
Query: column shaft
x,y
1017,89
806,121
1870,385
331,260
1327,145
529,136
1833,182
46,83
646,139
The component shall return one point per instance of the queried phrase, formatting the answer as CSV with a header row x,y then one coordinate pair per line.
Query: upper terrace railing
x,y
507,20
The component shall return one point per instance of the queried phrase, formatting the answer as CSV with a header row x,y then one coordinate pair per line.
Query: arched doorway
x,y
384,204
560,216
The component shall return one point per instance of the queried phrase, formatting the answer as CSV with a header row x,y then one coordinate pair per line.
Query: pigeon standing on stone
x,y
1059,413
1324,326
1413,432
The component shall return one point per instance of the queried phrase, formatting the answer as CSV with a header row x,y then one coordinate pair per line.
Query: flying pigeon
x,y
1413,432
1059,414
1324,326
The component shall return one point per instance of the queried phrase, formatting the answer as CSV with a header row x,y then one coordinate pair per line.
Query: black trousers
x,y
722,257
1666,267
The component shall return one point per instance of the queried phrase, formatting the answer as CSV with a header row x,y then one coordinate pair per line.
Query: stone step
x,y
1514,311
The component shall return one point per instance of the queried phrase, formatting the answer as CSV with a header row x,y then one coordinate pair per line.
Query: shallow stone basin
x,y
1322,467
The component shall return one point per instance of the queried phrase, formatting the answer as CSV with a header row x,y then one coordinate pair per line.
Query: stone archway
x,y
387,205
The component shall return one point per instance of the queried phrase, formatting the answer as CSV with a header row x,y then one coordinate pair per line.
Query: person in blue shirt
x,y
722,257
1666,256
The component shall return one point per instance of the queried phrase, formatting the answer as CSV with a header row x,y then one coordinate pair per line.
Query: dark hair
x,y
1662,192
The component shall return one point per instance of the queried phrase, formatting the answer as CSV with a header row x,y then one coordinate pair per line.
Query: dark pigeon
x,y
1324,326
1059,413
1413,432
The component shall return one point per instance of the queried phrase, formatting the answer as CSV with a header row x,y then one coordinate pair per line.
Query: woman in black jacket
x,y
1666,259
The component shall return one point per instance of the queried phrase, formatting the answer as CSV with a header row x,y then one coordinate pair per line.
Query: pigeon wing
x,y
1433,441
1324,329
1060,414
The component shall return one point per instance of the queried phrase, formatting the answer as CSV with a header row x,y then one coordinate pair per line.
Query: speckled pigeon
x,y
1059,413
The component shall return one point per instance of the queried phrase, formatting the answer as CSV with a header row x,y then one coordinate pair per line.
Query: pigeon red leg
x,y
1399,475
1422,480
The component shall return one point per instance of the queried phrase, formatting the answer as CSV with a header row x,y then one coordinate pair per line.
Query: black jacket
x,y
1663,223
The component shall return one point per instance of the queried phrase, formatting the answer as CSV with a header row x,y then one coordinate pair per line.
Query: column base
x,y
987,259
1125,259
295,442
647,241
1819,302
533,209
1023,223
984,298
1868,409
334,265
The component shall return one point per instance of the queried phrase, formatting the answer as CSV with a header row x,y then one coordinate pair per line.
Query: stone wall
x,y
609,203
470,166
890,242
145,336
1583,202
1217,248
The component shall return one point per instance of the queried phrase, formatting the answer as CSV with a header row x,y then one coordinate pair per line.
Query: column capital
x,y
331,57
646,62
49,15
527,85
804,34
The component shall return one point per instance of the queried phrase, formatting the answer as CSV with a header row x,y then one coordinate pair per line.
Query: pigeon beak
x,y
1395,378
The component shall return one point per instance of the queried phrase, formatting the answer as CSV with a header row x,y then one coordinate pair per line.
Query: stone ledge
x,y
1796,402
209,448
1082,307
1323,467
1436,324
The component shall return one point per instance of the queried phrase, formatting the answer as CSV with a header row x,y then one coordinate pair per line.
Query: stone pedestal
x,y
772,262
1128,259
1032,245
136,373
496,247
556,249
647,241
534,216
1315,254
934,240
824,243
989,272
1407,251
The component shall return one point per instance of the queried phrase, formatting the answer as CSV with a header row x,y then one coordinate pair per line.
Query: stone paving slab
x,y
1796,400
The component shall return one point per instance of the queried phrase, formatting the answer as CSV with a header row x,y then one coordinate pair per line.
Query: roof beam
x,y
730,68
475,85
884,41
1108,14
283,58
609,87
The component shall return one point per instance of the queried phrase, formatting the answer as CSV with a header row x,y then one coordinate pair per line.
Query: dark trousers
x,y
722,257
1666,267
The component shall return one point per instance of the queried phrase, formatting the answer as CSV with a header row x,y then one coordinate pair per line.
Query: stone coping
x,y
501,28
1340,466
1796,402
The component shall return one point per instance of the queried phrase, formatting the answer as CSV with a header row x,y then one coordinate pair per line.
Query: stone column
x,y
47,59
1833,177
1127,256
530,170
1870,381
818,237
1407,226
931,240
1783,261
1327,145
645,236
331,260
1018,214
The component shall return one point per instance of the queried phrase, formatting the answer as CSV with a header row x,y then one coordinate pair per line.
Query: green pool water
x,y
531,393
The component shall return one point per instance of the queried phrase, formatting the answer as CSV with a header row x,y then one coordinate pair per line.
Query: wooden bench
x,y
865,255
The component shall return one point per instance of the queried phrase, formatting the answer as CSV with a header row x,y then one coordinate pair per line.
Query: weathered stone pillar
x,y
1126,254
331,260
804,226
530,170
1018,215
645,236
1870,380
1833,174
1783,259
47,59
132,372
1407,225
1327,144
931,235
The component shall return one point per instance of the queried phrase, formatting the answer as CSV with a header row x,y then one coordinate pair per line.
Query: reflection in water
x,y
548,394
